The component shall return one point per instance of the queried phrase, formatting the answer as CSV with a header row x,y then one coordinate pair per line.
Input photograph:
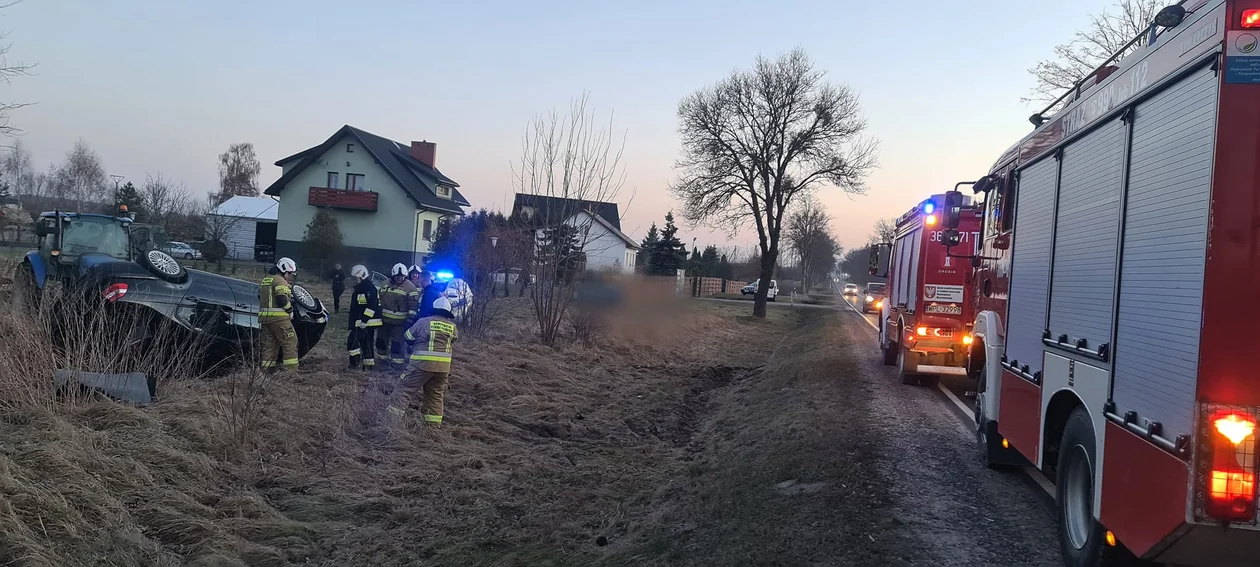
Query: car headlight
x,y
879,304
869,299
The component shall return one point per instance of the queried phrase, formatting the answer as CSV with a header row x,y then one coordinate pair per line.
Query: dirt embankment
x,y
546,454
783,468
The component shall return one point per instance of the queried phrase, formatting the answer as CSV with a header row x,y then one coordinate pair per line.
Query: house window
x,y
428,230
349,148
332,180
354,182
444,191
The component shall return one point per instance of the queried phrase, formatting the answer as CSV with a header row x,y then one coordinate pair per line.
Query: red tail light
x,y
1250,19
114,292
1231,490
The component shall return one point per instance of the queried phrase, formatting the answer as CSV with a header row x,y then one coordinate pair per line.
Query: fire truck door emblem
x,y
929,291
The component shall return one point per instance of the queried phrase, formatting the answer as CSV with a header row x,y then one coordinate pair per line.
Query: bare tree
x,y
885,231
759,139
8,70
17,169
162,198
84,175
808,232
1108,32
238,172
569,162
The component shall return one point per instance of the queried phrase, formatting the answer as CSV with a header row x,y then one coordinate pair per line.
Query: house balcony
x,y
342,199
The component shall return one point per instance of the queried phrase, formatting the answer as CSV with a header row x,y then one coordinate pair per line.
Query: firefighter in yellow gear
x,y
275,316
399,300
428,373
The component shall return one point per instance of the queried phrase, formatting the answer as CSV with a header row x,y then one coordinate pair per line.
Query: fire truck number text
x,y
939,235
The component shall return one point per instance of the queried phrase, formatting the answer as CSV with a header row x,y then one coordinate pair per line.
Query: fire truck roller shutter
x,y
915,239
1030,269
1165,236
1084,269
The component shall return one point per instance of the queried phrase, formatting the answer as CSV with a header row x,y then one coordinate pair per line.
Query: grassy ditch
x,y
544,451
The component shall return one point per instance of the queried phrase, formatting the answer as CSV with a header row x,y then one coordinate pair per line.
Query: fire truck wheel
x,y
907,364
1081,537
887,347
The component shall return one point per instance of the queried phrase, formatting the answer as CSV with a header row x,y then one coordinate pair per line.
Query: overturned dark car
x,y
126,279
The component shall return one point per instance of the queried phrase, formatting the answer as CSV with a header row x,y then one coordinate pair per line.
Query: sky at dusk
x,y
165,86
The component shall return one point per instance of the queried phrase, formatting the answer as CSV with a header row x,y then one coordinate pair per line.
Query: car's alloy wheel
x,y
163,262
304,298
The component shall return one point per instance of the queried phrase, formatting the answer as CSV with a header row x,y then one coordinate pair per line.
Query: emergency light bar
x,y
443,276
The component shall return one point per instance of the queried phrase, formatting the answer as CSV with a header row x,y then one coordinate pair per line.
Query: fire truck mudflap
x,y
1116,291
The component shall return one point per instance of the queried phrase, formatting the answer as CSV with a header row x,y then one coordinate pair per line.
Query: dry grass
x,y
543,451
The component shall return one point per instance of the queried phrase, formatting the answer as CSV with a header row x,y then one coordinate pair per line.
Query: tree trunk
x,y
763,285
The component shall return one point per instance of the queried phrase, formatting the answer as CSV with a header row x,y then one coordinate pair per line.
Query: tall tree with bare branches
x,y
758,140
8,70
885,231
1108,31
569,160
808,232
84,176
238,172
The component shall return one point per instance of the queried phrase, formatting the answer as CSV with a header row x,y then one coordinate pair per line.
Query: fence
x,y
708,287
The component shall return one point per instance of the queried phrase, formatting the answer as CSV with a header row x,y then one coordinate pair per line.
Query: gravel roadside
x,y
964,513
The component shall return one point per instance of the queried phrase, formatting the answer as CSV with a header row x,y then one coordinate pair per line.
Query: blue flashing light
x,y
928,207
444,276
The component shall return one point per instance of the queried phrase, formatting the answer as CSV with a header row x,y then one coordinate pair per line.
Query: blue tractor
x,y
122,273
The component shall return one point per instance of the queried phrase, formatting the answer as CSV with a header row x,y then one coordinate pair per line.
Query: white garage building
x,y
247,225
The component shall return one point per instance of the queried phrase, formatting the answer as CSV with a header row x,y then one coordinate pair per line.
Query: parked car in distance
x,y
875,294
771,292
181,250
850,289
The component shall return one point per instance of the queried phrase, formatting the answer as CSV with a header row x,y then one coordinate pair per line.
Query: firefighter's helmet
x,y
415,270
360,271
286,265
399,269
442,304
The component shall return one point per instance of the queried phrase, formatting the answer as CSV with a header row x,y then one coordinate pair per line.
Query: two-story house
x,y
388,197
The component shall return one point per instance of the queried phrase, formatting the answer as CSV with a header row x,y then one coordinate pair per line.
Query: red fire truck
x,y
925,322
1118,291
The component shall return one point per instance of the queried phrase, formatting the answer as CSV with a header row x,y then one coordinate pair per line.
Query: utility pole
x,y
116,179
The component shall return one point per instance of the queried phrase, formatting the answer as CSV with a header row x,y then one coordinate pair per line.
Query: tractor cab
x,y
67,238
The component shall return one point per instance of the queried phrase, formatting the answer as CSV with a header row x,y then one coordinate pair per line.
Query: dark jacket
x,y
365,305
338,279
430,294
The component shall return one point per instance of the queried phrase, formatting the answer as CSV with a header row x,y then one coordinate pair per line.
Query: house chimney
x,y
425,152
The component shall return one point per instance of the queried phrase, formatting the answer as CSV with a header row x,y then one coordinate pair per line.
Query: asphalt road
x,y
963,389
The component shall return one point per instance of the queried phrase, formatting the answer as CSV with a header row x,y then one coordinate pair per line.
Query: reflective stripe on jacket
x,y
434,337
364,305
269,289
398,302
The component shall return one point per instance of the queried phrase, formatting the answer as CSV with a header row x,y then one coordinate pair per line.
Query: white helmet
x,y
398,270
286,265
417,269
442,303
360,271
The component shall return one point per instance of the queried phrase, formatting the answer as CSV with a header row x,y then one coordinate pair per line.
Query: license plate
x,y
944,309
